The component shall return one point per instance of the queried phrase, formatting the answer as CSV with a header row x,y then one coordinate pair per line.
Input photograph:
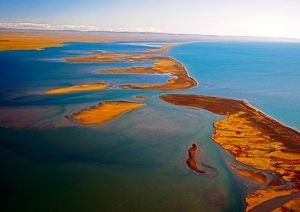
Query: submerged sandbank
x,y
78,88
254,139
104,112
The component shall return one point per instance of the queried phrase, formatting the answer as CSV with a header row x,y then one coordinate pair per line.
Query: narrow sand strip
x,y
78,88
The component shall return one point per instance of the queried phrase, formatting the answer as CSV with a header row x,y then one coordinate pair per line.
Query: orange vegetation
x,y
293,205
254,139
77,88
191,162
105,111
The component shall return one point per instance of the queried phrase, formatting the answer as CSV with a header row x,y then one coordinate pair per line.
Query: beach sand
x,y
104,112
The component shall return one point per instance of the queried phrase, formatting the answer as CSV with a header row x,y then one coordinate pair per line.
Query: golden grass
x,y
254,139
78,88
105,111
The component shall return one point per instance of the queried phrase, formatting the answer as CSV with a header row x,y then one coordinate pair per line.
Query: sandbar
x,y
257,177
104,112
143,97
102,56
163,65
254,139
78,88
191,161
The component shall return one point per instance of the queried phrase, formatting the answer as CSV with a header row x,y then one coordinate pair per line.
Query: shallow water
x,y
135,162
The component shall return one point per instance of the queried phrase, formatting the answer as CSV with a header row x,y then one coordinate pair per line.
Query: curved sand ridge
x,y
104,112
78,88
254,139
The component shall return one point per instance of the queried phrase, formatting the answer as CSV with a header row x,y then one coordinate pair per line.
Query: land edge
x,y
246,104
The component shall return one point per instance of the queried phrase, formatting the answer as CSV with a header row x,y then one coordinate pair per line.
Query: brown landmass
x,y
104,112
254,139
78,88
191,162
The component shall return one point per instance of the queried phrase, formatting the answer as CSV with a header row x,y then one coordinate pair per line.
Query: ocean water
x,y
265,74
135,162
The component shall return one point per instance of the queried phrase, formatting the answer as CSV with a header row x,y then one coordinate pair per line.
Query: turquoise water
x,y
135,162
266,74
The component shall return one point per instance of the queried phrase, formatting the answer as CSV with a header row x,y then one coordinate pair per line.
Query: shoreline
x,y
254,139
162,65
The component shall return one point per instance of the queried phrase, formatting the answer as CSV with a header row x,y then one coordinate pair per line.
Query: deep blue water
x,y
266,74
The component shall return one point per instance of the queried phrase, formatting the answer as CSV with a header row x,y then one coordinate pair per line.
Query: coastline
x,y
254,139
162,65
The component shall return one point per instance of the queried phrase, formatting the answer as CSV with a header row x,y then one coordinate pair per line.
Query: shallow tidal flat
x,y
256,140
104,112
